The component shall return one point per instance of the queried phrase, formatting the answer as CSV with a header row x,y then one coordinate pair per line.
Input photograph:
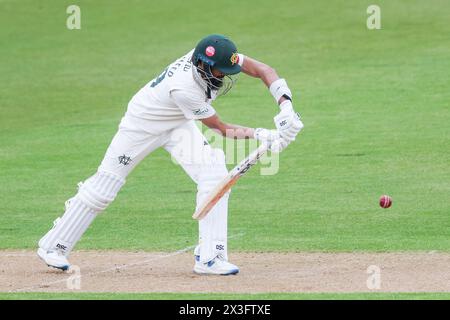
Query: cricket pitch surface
x,y
118,271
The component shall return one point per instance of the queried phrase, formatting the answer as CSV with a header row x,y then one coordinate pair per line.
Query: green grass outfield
x,y
375,104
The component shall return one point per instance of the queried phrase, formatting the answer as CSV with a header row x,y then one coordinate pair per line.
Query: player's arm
x,y
228,130
278,87
287,121
198,110
234,131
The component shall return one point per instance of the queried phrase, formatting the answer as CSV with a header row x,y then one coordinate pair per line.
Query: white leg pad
x,y
93,197
206,166
213,228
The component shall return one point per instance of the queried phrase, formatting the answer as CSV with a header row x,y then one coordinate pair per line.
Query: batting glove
x,y
279,145
288,121
266,136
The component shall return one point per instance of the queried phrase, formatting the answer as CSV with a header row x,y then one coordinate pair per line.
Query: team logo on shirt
x,y
234,58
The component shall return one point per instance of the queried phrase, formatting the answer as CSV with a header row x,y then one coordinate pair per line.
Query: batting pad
x,y
213,232
213,228
93,196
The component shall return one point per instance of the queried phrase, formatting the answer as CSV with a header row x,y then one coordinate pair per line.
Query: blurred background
x,y
375,104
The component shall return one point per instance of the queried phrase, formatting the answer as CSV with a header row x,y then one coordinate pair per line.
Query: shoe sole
x,y
205,273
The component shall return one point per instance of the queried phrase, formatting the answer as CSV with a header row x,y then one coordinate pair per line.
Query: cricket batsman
x,y
162,115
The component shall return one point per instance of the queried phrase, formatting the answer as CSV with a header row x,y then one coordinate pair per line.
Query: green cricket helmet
x,y
217,52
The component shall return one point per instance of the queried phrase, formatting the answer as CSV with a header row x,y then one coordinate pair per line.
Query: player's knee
x,y
100,190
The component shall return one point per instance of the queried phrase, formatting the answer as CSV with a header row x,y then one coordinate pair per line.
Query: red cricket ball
x,y
385,201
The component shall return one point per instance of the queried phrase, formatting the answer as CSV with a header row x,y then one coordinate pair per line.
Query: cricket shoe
x,y
54,258
218,265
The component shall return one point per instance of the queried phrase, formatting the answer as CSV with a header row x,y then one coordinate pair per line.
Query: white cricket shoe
x,y
54,258
218,265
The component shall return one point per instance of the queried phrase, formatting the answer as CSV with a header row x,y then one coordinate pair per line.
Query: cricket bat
x,y
226,184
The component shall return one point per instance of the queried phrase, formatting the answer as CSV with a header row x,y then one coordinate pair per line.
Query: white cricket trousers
x,y
187,145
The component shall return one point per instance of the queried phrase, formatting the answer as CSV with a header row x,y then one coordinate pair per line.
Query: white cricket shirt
x,y
171,99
